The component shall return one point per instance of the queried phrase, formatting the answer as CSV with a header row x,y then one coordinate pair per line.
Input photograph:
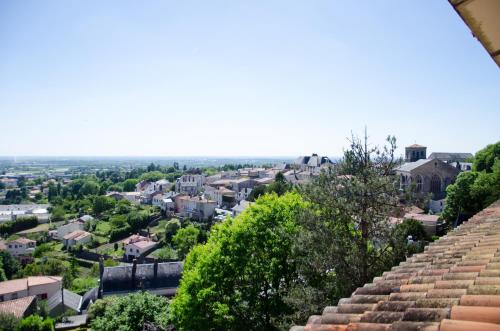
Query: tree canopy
x,y
239,278
129,313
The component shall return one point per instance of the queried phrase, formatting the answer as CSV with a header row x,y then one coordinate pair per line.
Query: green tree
x,y
345,238
152,176
486,157
9,264
256,193
472,192
90,188
58,214
129,185
103,203
3,277
130,313
185,239
171,229
8,322
239,278
36,323
166,253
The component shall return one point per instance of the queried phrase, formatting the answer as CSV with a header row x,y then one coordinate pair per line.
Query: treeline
x,y
20,224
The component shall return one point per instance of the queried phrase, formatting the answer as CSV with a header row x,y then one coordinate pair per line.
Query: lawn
x,y
39,228
109,249
160,228
102,228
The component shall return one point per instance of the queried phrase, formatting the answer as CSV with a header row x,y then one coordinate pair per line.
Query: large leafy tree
x,y
238,280
476,189
185,239
130,313
485,158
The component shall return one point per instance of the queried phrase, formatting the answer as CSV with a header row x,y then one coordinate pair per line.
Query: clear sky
x,y
234,78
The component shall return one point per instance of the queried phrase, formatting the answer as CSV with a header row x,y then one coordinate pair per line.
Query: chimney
x,y
134,269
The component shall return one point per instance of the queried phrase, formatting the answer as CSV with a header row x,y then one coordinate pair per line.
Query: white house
x,y
41,286
189,184
221,195
136,246
72,226
21,247
76,237
195,207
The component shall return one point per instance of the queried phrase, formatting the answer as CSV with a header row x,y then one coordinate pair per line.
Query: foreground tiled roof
x,y
453,285
17,307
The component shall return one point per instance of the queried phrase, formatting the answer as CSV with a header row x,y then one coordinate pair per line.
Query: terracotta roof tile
x,y
453,285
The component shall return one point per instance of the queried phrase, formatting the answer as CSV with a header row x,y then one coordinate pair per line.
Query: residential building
x,y
157,278
429,176
415,152
221,195
243,194
11,212
462,166
451,157
41,286
76,237
72,226
9,182
195,207
312,164
242,183
20,308
137,246
189,184
21,247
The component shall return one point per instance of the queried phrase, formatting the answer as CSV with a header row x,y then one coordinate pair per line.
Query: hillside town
x,y
105,256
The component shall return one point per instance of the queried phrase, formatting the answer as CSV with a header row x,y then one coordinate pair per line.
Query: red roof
x,y
453,285
17,307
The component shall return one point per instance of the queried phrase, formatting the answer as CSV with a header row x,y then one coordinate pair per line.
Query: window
x,y
1,298
435,184
13,296
419,183
137,251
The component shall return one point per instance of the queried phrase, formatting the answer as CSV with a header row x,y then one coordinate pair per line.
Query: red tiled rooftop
x,y
17,307
453,285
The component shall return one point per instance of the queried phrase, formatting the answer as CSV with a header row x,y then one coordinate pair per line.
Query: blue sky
x,y
233,78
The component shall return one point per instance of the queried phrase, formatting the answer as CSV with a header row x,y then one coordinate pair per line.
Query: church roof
x,y
409,166
453,285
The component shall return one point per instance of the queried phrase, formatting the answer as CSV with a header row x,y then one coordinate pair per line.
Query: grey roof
x,y
302,160
445,156
71,300
119,279
86,218
88,297
409,166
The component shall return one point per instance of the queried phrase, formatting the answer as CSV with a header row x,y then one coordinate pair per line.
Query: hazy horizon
x,y
117,78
